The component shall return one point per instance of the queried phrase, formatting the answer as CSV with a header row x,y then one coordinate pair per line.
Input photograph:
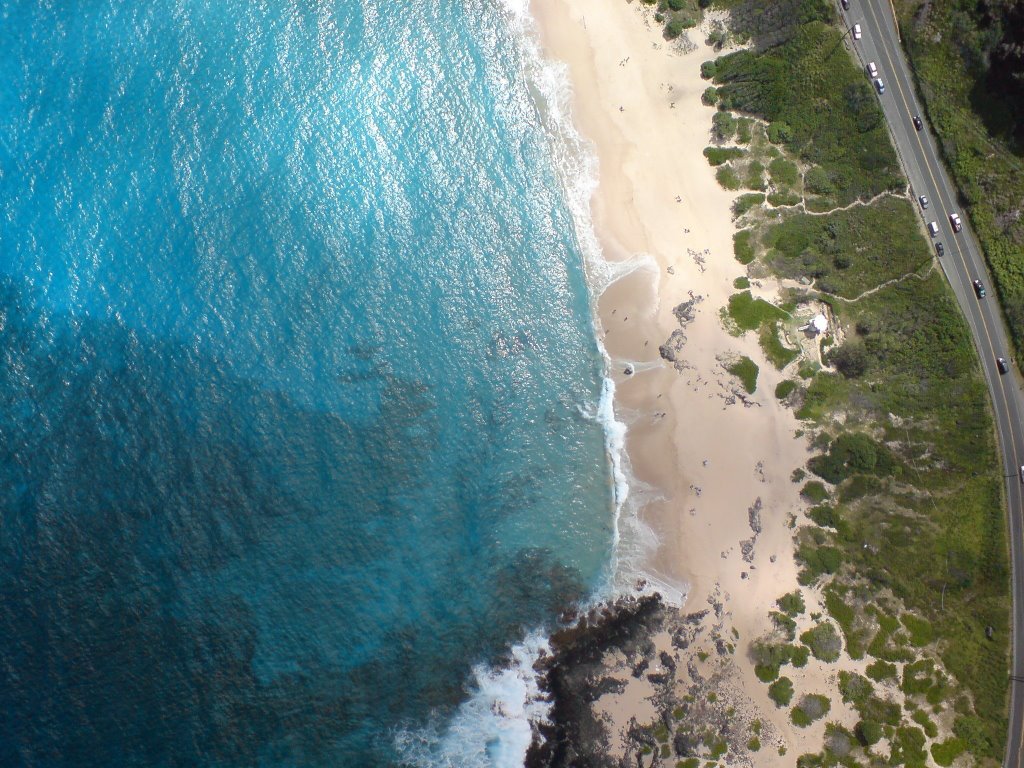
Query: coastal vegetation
x,y
968,63
746,371
905,543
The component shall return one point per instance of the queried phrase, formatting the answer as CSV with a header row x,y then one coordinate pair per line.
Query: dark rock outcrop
x,y
573,676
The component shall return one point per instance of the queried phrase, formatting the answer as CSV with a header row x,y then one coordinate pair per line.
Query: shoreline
x,y
713,457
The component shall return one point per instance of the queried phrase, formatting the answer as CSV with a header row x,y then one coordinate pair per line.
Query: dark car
x,y
917,122
1003,367
979,289
845,4
940,249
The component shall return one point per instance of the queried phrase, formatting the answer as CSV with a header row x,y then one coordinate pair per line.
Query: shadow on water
x,y
196,571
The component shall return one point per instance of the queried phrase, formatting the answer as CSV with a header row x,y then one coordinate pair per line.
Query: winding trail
x,y
918,275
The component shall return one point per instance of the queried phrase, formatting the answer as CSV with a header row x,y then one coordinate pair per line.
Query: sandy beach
x,y
711,452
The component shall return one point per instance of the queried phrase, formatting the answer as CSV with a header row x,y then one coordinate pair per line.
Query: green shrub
x,y
749,313
817,181
781,691
754,744
746,371
974,734
851,359
824,642
798,658
945,752
814,491
824,515
755,176
853,452
784,389
741,283
881,711
708,69
917,676
778,355
792,603
908,747
766,673
744,203
742,246
784,624
855,689
678,25
727,177
769,654
881,670
930,729
921,633
719,155
710,96
780,199
744,130
818,560
845,616
723,125
780,133
868,732
811,707
784,172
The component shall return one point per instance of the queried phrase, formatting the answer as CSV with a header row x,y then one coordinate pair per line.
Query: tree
x,y
868,732
851,360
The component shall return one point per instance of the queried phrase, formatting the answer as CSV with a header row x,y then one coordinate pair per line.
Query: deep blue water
x,y
295,360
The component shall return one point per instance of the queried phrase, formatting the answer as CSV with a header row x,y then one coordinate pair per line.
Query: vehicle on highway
x,y
933,227
940,249
872,69
879,85
1022,473
856,32
979,288
918,125
1003,368
954,219
924,201
845,4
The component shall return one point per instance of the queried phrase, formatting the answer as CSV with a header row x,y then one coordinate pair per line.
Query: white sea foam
x,y
495,725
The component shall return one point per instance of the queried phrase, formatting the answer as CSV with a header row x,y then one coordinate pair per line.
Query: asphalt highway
x,y
962,263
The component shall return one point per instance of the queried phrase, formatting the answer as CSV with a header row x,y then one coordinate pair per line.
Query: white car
x,y
856,32
872,70
924,201
954,219
933,228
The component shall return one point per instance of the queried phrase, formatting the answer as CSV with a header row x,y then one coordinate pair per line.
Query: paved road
x,y
962,263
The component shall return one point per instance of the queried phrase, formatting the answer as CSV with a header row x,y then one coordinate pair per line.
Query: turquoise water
x,y
298,380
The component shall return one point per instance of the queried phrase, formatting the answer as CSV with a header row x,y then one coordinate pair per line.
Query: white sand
x,y
637,98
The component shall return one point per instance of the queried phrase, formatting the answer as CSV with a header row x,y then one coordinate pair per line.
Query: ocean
x,y
305,437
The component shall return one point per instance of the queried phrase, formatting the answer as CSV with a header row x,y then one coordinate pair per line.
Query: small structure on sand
x,y
817,326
